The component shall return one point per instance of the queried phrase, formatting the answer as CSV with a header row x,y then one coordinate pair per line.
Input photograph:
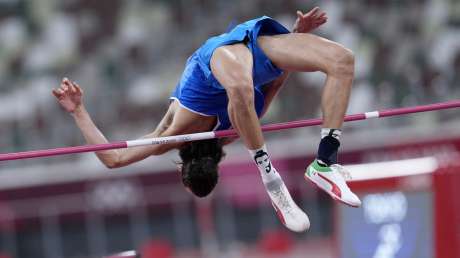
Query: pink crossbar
x,y
224,133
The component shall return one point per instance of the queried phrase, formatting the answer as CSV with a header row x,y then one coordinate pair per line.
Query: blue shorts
x,y
198,90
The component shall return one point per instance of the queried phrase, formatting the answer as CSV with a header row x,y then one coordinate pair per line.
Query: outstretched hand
x,y
309,21
69,95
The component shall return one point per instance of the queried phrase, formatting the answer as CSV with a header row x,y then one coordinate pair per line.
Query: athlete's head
x,y
199,169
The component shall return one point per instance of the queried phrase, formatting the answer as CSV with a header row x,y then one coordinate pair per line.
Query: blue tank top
x,y
198,90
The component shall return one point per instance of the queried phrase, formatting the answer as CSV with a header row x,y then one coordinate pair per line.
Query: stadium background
x,y
128,55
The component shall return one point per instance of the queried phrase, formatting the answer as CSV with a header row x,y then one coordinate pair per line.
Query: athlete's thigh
x,y
231,65
300,52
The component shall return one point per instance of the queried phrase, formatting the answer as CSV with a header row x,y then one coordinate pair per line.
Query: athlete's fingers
x,y
60,91
56,93
299,14
321,18
67,82
312,12
79,90
72,87
321,21
64,87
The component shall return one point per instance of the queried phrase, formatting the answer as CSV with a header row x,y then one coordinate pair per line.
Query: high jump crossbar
x,y
223,133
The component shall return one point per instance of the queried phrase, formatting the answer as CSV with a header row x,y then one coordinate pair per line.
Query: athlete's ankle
x,y
263,163
328,147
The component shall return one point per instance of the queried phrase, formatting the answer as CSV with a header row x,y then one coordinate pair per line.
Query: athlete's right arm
x,y
70,96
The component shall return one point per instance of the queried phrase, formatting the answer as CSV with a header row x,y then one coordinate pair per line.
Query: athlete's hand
x,y
309,21
69,95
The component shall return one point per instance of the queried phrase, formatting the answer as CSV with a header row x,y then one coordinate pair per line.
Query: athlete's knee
x,y
343,63
241,94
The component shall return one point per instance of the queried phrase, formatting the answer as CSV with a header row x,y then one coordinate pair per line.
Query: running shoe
x,y
287,210
331,179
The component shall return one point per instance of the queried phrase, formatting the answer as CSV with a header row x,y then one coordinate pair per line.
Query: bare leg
x,y
307,53
232,67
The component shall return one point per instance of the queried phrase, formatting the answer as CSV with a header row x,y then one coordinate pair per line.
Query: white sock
x,y
336,133
263,163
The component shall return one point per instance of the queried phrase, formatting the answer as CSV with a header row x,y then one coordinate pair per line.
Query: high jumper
x,y
230,81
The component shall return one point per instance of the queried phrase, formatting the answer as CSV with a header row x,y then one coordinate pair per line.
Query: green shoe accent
x,y
314,165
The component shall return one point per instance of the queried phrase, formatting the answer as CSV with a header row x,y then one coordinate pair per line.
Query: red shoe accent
x,y
279,214
335,188
333,196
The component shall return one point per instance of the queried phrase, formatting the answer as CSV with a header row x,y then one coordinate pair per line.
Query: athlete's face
x,y
265,162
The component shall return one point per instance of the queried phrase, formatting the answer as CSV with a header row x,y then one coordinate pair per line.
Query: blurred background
x,y
129,55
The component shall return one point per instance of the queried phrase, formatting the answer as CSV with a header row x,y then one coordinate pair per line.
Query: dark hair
x,y
260,154
200,161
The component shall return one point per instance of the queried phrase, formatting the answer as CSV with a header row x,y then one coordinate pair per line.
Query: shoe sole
x,y
307,178
279,214
283,221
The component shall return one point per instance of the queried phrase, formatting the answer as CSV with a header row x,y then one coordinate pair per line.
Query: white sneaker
x,y
287,210
331,180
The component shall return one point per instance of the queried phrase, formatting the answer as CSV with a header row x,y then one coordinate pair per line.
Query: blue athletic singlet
x,y
198,90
